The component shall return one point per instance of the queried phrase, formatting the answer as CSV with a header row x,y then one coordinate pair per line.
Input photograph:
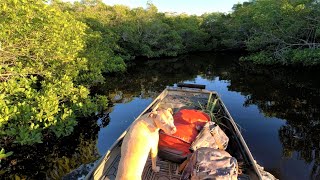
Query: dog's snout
x,y
173,129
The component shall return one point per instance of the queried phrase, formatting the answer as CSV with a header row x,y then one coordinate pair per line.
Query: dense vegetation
x,y
40,63
53,52
277,31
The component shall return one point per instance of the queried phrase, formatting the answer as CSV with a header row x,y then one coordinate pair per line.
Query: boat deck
x,y
168,171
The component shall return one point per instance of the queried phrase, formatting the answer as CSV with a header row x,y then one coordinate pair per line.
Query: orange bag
x,y
188,122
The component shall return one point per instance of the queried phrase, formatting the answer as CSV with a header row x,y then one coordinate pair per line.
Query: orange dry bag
x,y
176,147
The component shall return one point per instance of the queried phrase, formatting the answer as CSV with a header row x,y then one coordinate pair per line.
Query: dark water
x,y
277,110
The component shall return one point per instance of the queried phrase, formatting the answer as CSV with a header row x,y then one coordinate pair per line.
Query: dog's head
x,y
164,120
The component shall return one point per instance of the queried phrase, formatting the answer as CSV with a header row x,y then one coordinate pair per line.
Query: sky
x,y
197,7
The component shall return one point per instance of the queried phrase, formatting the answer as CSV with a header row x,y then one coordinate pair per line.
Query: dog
x,y
142,139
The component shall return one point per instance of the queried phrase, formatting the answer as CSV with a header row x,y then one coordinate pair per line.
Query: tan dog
x,y
141,139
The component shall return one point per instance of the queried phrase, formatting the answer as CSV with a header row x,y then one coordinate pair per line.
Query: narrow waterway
x,y
277,110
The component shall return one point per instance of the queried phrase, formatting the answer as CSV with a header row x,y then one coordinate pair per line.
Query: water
x,y
277,110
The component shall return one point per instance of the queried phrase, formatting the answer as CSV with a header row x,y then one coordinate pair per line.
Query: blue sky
x,y
188,6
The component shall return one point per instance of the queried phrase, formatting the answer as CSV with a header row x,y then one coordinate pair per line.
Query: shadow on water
x,y
54,158
277,109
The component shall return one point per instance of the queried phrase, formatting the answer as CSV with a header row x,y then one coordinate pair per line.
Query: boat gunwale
x,y
239,135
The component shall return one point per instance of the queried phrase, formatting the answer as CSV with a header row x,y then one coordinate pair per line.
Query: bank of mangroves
x,y
53,52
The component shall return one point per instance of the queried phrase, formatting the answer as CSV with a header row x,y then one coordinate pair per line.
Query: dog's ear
x,y
153,114
170,110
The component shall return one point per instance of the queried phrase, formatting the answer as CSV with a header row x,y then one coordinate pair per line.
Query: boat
x,y
185,96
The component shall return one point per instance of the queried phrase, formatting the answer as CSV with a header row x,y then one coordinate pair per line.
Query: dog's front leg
x,y
154,154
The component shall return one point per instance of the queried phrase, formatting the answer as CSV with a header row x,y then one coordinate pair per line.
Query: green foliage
x,y
100,40
260,58
307,57
159,40
3,154
39,62
188,28
214,27
143,32
283,32
119,34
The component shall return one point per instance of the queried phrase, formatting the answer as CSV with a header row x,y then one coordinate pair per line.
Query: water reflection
x,y
148,78
293,95
54,157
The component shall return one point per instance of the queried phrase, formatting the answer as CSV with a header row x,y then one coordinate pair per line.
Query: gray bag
x,y
210,136
208,163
